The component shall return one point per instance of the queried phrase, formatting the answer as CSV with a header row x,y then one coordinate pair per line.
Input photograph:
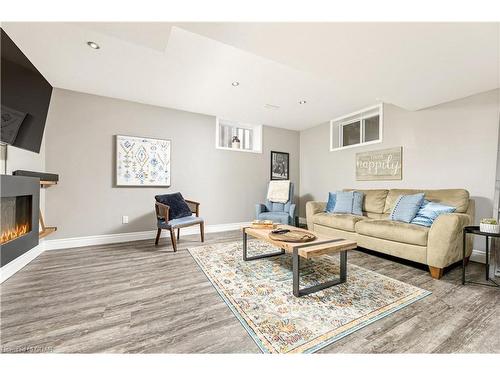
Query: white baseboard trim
x,y
478,256
17,264
66,243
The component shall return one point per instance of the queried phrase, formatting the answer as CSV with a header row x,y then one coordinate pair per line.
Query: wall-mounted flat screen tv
x,y
25,98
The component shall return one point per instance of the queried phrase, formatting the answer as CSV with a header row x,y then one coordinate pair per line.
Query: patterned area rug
x,y
259,293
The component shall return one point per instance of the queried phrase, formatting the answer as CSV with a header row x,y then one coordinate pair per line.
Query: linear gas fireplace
x,y
15,217
19,210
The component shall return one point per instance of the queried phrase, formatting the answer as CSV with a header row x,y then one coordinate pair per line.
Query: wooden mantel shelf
x,y
45,230
47,183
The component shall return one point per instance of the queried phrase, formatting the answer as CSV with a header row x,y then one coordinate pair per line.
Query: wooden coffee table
x,y
322,245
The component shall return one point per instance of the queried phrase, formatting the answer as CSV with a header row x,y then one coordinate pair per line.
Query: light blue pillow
x,y
332,197
430,211
349,202
406,207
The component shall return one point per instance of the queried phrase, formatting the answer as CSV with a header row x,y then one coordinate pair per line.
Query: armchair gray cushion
x,y
179,223
283,213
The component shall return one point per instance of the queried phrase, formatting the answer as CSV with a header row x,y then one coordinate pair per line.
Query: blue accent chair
x,y
283,213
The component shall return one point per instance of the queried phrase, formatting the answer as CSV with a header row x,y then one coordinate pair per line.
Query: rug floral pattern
x,y
259,293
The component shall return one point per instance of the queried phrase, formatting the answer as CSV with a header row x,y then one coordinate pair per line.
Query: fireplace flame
x,y
11,234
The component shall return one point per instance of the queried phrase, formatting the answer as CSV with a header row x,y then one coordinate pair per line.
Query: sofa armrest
x,y
259,208
291,212
445,242
312,208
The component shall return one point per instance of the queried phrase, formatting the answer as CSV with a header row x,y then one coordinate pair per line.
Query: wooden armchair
x,y
163,222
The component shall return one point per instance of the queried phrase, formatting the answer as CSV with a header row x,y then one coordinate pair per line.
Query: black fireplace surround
x,y
19,210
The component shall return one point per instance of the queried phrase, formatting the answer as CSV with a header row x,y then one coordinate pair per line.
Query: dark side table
x,y
475,230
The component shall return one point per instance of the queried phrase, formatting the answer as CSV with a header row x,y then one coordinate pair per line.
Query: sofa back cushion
x,y
374,202
458,198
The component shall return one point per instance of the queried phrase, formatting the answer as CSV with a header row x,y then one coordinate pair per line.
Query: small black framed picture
x,y
280,165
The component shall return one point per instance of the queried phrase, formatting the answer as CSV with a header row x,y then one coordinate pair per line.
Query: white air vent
x,y
271,106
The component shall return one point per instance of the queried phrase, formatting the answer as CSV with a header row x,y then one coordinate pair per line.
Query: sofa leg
x,y
436,273
202,231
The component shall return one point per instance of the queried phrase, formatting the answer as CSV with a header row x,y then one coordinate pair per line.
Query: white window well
x,y
237,136
356,129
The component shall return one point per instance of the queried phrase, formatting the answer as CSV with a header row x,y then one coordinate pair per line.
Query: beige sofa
x,y
438,246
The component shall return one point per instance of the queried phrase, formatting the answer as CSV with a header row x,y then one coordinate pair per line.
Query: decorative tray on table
x,y
292,236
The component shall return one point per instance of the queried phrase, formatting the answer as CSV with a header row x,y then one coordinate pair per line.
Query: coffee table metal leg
x,y
343,266
297,292
296,272
245,240
260,256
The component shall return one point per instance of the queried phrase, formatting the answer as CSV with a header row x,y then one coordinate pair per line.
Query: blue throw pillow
x,y
332,197
349,202
406,207
430,211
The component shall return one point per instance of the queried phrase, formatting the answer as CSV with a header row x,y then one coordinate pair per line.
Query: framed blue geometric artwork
x,y
142,161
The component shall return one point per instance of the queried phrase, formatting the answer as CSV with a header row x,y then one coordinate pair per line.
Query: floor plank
x,y
137,298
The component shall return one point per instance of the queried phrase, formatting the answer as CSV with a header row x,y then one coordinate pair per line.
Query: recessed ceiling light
x,y
235,83
93,45
302,102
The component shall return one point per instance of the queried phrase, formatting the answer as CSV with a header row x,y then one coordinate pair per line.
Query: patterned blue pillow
x,y
332,198
430,211
406,207
349,202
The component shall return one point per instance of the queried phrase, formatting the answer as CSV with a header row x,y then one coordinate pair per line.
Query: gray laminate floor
x,y
133,297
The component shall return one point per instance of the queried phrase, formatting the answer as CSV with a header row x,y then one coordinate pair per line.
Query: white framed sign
x,y
379,165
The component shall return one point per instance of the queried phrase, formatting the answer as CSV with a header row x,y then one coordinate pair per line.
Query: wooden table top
x,y
320,246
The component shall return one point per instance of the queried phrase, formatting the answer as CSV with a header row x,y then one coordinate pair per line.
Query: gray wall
x,y
80,147
18,158
452,145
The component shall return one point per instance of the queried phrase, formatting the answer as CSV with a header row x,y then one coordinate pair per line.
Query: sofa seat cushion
x,y
394,231
339,221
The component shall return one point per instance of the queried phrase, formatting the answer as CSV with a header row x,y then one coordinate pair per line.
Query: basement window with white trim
x,y
356,129
238,136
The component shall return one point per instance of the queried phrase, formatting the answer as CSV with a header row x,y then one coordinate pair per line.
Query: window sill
x,y
356,145
238,150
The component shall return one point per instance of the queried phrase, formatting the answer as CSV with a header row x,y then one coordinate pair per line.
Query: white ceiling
x,y
336,67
